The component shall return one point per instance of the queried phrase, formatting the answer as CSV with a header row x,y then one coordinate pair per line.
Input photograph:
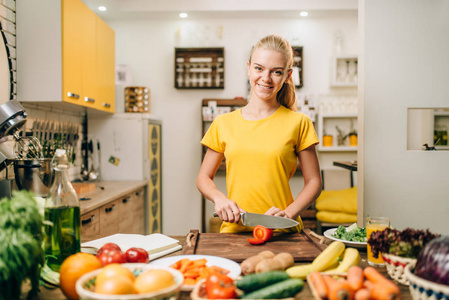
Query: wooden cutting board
x,y
235,246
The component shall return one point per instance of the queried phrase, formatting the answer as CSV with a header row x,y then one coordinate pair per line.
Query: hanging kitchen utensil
x,y
92,175
97,159
84,150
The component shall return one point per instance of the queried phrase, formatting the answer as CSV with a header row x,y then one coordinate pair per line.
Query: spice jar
x,y
137,99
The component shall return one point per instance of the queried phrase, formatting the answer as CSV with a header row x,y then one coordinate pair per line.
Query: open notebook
x,y
156,244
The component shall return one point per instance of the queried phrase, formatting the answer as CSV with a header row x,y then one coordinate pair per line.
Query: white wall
x,y
147,46
405,65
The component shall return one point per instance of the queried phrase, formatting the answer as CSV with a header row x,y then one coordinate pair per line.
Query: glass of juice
x,y
375,224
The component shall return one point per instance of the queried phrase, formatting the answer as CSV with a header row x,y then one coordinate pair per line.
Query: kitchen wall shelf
x,y
327,123
344,71
199,68
297,66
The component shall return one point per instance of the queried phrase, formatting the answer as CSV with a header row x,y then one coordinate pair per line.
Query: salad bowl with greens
x,y
353,236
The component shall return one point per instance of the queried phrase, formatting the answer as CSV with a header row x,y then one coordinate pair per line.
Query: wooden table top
x,y
304,294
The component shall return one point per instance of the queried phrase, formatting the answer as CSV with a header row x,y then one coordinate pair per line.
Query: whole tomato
x,y
109,256
108,247
137,255
220,286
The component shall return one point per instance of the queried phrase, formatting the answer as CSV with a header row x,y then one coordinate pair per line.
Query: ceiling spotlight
x,y
303,14
102,8
183,15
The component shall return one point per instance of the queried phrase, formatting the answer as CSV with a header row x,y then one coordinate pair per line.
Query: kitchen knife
x,y
252,219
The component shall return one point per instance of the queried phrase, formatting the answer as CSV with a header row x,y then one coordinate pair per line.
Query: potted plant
x,y
399,248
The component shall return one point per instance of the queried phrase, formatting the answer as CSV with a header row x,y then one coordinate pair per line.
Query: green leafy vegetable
x,y
21,252
353,233
405,243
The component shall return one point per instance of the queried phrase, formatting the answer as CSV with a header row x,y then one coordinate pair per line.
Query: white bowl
x,y
171,292
422,289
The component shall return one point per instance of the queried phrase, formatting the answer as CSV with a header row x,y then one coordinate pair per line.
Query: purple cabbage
x,y
433,261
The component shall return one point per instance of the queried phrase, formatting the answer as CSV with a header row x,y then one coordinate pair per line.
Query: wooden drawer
x,y
109,218
126,215
90,225
139,212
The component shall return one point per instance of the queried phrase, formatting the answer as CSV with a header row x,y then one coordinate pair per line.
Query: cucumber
x,y
283,289
257,281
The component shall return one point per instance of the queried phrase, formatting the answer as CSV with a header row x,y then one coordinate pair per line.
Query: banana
x,y
351,257
326,258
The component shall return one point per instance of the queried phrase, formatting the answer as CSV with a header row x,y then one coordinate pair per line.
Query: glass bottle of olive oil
x,y
62,215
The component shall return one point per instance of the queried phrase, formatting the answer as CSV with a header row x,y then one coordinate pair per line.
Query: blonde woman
x,y
262,142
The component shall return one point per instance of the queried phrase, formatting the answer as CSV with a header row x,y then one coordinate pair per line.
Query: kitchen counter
x,y
304,294
107,191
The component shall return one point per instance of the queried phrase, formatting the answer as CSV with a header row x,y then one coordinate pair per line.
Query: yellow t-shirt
x,y
261,157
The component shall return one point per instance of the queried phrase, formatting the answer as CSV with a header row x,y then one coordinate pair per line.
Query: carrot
x,y
194,270
317,280
175,265
355,277
219,270
185,263
338,289
200,262
362,294
367,285
189,281
382,288
192,274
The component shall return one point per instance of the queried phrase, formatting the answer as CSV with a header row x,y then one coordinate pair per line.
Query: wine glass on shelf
x,y
342,71
352,70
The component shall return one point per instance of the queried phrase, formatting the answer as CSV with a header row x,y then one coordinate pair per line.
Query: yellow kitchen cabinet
x,y
105,67
65,53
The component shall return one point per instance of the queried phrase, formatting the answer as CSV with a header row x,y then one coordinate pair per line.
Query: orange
x,y
153,280
113,270
116,285
72,268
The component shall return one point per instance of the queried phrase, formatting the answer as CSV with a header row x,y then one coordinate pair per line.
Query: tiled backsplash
x,y
8,25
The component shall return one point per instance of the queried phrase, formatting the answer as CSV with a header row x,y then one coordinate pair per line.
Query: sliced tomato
x,y
256,241
262,233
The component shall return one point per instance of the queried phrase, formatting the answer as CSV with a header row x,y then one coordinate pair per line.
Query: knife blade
x,y
273,222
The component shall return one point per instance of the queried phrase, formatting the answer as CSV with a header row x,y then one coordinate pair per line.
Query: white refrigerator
x,y
130,149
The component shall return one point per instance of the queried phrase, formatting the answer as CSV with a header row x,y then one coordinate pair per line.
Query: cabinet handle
x,y
109,209
87,99
125,200
107,105
87,221
139,193
73,95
